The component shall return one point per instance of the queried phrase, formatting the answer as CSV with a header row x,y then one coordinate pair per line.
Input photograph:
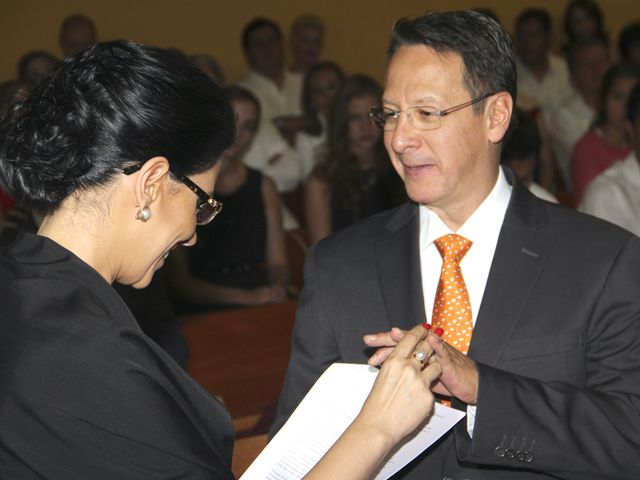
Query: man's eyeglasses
x,y
208,207
421,117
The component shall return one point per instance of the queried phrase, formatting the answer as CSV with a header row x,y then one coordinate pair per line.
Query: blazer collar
x,y
522,250
398,262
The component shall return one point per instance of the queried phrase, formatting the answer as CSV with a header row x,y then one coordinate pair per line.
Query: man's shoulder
x,y
370,229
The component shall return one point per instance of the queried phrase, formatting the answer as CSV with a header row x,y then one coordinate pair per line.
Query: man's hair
x,y
538,14
633,104
485,48
257,24
630,34
578,46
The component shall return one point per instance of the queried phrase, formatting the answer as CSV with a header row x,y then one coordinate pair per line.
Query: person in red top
x,y
607,140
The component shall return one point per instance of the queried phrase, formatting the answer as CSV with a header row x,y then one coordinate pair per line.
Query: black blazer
x,y
84,394
557,339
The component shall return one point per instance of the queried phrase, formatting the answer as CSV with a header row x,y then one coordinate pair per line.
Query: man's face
x,y
76,38
265,52
307,45
532,42
448,167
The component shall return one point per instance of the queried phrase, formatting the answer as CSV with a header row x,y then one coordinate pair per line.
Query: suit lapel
x,y
521,252
398,261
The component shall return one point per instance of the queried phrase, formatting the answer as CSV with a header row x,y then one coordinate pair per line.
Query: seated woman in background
x,y
608,140
354,179
119,147
320,86
240,258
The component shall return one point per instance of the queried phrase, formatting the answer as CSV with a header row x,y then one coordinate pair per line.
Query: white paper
x,y
324,414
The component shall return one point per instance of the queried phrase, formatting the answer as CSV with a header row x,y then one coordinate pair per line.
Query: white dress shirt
x,y
615,195
482,228
269,152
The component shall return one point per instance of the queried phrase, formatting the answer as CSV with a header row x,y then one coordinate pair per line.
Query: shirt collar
x,y
483,226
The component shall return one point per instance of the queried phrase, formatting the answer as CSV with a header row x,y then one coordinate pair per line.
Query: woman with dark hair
x,y
320,86
119,147
607,141
354,179
583,19
240,258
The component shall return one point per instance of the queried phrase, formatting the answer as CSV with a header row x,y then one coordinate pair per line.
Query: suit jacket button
x,y
528,457
520,456
499,451
448,477
509,453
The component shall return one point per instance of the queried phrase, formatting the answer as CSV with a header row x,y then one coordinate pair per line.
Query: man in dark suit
x,y
551,381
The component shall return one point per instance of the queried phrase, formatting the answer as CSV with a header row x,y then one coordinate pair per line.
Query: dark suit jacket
x,y
84,394
557,339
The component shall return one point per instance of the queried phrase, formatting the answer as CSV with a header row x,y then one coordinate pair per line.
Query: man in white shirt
x,y
615,194
542,76
551,382
279,93
588,62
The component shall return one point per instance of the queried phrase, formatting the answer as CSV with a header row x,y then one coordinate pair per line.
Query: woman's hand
x,y
400,401
401,398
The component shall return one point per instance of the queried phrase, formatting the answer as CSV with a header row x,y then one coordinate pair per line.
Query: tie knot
x,y
452,247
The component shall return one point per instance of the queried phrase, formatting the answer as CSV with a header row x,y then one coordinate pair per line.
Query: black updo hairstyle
x,y
112,105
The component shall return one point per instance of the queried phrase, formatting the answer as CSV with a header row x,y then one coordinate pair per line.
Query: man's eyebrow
x,y
420,101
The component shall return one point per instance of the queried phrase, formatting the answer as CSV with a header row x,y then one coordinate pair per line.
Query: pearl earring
x,y
143,214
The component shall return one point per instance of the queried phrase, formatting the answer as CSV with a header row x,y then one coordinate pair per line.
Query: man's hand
x,y
459,376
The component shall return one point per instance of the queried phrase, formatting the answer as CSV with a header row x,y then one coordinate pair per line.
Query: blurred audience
x,y
35,66
607,141
77,32
240,258
307,41
542,76
354,179
521,152
320,87
615,194
278,92
629,44
588,61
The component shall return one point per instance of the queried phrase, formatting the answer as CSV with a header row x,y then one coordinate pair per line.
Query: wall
x,y
357,35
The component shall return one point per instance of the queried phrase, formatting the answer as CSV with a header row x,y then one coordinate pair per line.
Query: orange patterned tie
x,y
451,308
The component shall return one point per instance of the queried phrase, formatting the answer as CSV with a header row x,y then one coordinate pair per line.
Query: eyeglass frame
x,y
191,185
375,113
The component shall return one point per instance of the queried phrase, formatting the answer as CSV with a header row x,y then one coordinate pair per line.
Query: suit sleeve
x,y
309,359
568,431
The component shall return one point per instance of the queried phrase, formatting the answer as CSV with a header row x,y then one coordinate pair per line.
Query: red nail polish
x,y
439,331
426,326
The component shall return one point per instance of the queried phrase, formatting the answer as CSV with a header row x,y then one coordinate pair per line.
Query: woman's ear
x,y
151,178
498,111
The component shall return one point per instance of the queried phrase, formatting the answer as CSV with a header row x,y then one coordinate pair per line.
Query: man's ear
x,y
498,111
151,180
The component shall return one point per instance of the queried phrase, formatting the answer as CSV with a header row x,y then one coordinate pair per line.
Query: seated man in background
x,y
615,194
279,94
542,76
